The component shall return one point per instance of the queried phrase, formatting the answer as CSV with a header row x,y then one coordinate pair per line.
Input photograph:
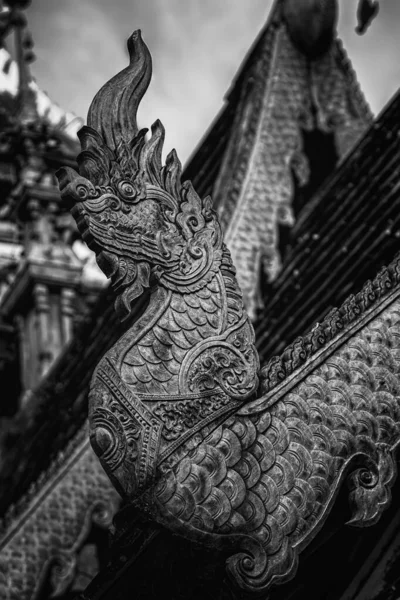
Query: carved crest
x,y
140,220
174,413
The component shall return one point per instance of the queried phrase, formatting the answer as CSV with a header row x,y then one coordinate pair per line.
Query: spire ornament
x,y
176,414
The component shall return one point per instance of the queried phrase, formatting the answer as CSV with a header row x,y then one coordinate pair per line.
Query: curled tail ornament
x,y
175,411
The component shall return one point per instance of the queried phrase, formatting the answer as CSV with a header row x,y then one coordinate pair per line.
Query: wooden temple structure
x,y
221,420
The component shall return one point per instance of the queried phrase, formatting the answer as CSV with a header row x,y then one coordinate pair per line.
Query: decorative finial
x,y
366,13
113,111
311,24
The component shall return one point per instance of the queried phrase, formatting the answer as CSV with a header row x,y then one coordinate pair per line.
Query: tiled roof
x,y
247,159
342,237
47,110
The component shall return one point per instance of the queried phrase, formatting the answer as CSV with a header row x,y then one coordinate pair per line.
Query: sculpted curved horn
x,y
113,110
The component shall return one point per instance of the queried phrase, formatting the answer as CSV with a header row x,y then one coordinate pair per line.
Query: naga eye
x,y
128,191
82,191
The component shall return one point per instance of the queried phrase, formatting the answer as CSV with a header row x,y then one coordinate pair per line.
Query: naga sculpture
x,y
185,424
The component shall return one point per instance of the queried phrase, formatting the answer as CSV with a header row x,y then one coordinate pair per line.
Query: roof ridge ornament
x,y
169,408
311,24
366,12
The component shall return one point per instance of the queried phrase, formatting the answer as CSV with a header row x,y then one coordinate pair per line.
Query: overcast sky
x,y
197,46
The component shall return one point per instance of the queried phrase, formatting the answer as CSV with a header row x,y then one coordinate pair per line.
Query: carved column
x,y
67,313
42,307
23,352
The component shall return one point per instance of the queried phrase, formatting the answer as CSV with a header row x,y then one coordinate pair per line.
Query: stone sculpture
x,y
177,414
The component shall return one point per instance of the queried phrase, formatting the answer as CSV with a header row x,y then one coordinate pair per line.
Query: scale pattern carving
x,y
272,474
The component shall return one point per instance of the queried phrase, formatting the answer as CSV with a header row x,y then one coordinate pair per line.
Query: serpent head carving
x,y
144,226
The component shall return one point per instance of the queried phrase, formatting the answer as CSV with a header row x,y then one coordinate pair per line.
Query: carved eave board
x,y
187,427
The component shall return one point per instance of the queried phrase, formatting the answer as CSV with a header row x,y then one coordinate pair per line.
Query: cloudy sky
x,y
197,46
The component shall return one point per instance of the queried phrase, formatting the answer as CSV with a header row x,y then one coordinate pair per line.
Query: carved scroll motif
x,y
174,412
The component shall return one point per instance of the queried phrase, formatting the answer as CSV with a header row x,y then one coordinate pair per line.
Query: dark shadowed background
x,y
197,46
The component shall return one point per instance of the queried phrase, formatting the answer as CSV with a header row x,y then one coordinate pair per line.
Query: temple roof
x,y
348,230
47,110
26,111
255,155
